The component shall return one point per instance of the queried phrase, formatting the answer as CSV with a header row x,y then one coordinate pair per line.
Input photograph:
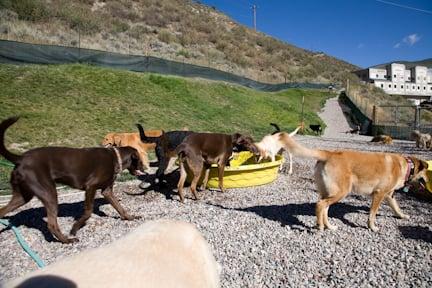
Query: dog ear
x,y
423,165
235,137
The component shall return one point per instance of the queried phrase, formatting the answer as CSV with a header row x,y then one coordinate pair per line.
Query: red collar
x,y
410,168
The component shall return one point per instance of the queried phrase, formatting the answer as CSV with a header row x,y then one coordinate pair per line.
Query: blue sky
x,y
362,32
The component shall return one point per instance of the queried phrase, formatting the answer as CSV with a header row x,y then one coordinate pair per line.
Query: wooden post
x,y
374,115
302,117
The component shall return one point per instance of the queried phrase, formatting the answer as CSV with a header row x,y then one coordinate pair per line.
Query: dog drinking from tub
x,y
271,145
200,150
37,170
165,148
370,173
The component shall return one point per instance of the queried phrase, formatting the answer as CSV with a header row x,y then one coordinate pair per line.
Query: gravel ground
x,y
262,236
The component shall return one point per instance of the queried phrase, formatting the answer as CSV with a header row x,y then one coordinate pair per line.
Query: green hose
x,y
23,243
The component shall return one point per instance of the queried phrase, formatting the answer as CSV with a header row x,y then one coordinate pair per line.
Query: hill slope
x,y
76,105
175,29
408,64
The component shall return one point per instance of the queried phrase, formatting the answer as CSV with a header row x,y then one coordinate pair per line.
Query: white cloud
x,y
411,39
360,45
397,45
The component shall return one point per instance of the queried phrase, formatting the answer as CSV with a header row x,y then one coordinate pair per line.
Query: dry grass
x,y
169,29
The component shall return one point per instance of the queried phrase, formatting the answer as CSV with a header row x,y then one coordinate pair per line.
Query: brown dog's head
x,y
418,172
243,143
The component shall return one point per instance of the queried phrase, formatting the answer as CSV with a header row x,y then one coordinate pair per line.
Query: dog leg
x,y
377,198
206,176
52,213
290,164
88,210
15,202
395,207
323,206
182,180
221,168
194,185
108,194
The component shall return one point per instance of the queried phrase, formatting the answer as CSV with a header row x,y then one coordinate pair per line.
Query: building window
x,y
418,87
382,86
424,88
402,86
389,86
394,76
395,85
377,76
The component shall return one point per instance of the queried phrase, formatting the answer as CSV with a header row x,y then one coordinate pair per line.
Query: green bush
x,y
29,10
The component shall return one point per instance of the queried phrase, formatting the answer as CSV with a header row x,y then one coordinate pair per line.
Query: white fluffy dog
x,y
158,254
270,145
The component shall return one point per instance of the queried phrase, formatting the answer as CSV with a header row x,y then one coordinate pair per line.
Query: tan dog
x,y
423,140
385,139
158,254
270,145
132,140
376,174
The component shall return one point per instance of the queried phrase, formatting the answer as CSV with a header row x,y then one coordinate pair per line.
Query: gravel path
x,y
262,236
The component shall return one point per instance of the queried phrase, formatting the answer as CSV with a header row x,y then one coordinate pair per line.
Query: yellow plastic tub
x,y
429,174
245,175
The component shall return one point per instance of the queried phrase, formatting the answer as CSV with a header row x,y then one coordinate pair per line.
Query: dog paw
x,y
71,240
404,216
332,227
374,228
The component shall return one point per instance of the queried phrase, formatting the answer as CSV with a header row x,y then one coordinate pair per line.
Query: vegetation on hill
x,y
181,30
76,105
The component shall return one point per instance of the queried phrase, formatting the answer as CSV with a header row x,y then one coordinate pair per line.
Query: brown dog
x,y
37,170
132,140
385,139
201,150
376,174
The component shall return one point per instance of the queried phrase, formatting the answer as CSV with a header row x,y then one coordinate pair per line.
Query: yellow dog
x,y
132,140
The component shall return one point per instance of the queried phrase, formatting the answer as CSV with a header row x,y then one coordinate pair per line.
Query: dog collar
x,y
410,168
119,161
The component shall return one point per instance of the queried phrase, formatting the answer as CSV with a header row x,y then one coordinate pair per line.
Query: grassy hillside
x,y
76,105
181,30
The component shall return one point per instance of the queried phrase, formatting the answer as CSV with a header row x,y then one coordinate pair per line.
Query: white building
x,y
395,79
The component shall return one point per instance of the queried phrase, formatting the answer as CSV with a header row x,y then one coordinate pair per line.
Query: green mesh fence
x,y
24,53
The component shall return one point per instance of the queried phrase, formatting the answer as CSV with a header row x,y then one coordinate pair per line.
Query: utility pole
x,y
254,7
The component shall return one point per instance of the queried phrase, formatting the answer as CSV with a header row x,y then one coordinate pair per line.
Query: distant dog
x,y
200,150
132,140
158,254
385,139
376,174
270,145
165,148
316,128
355,130
423,140
37,170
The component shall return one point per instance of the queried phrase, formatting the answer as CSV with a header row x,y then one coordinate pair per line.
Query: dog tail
x,y
14,158
146,139
298,150
295,131
276,127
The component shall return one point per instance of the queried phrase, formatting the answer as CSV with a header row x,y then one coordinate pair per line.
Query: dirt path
x,y
337,124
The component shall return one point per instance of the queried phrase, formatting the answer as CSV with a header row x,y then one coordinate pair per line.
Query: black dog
x,y
316,128
166,145
37,170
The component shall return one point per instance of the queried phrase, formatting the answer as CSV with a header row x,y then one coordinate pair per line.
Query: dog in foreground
x,y
158,254
375,174
37,170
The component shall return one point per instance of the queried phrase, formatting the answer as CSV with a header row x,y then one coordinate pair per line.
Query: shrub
x,y
119,26
165,36
29,10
